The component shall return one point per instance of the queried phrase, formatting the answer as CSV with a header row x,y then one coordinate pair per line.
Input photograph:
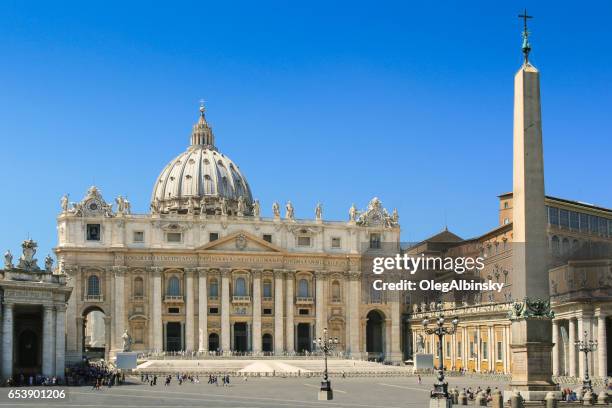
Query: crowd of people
x,y
97,375
151,379
22,380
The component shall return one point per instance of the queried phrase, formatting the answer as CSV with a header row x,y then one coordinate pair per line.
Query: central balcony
x,y
173,299
94,298
301,300
241,299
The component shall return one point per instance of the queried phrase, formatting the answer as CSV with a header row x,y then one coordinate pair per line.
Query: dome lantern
x,y
202,134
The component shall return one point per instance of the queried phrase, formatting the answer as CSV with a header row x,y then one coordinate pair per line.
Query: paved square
x,y
387,392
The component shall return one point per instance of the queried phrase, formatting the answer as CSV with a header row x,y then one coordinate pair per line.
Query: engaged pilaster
x,y
189,310
279,275
225,310
602,341
60,340
256,274
119,312
202,309
156,317
48,358
289,329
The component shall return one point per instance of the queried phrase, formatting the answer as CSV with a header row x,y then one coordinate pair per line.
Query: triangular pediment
x,y
240,241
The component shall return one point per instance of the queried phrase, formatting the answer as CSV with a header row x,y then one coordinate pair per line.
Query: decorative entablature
x,y
499,310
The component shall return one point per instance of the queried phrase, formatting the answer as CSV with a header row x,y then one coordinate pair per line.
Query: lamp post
x,y
439,395
326,345
586,346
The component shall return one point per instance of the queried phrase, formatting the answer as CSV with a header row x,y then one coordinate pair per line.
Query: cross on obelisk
x,y
526,45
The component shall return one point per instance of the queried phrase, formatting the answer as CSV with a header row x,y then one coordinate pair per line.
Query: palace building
x,y
204,271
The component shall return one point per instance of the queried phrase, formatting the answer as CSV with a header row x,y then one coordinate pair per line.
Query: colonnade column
x,y
278,311
119,312
354,303
256,339
158,341
320,303
189,310
572,347
60,340
225,310
202,310
602,345
289,329
555,350
7,341
48,338
395,350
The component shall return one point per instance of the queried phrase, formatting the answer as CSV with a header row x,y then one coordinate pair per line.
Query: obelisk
x,y
531,316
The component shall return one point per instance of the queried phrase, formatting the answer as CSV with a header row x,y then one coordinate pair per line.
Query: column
x,y
256,310
572,347
320,304
189,310
478,342
202,310
107,336
395,354
158,339
353,311
465,345
602,345
73,352
7,341
278,311
225,310
60,340
504,348
289,329
491,345
556,347
48,357
80,331
119,312
582,326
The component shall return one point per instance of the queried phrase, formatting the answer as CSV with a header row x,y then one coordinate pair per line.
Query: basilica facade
x,y
205,272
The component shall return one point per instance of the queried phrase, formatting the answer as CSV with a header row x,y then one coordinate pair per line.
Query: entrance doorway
x,y
375,335
303,337
240,337
213,342
94,334
266,343
27,340
28,350
173,336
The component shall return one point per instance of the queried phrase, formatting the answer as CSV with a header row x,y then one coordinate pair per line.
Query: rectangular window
x,y
213,310
213,236
459,349
303,241
138,236
267,289
375,241
485,350
553,216
93,232
303,312
267,311
267,238
574,221
335,242
174,236
500,351
593,224
174,310
564,218
584,223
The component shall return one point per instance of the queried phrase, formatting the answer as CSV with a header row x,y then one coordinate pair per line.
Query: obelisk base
x,y
531,359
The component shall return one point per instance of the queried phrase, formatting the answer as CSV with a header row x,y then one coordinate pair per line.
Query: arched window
x,y
303,288
566,246
93,286
240,288
213,290
138,286
267,289
556,247
336,291
174,287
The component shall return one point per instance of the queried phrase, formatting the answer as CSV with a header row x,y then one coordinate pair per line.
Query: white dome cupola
x,y
201,180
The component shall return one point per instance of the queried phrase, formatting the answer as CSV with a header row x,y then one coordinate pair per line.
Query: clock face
x,y
93,206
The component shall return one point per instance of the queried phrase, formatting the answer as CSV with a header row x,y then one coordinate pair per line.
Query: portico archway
x,y
375,329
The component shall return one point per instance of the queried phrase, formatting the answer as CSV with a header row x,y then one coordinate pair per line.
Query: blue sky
x,y
319,101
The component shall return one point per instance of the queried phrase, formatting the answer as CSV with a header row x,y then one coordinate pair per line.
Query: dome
x,y
202,180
